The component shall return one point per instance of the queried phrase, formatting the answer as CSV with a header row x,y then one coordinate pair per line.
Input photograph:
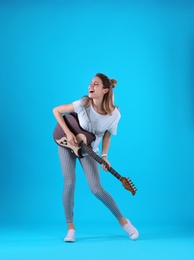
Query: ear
x,y
105,90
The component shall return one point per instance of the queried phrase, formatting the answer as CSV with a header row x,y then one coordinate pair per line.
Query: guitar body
x,y
81,135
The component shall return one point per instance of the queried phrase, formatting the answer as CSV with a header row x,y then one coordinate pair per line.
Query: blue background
x,y
49,52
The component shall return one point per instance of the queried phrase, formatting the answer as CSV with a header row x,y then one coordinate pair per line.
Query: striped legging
x,y
90,168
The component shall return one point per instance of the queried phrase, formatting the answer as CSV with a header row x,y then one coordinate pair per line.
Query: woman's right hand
x,y
71,139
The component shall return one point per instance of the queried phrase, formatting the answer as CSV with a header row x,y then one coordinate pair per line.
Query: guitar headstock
x,y
128,185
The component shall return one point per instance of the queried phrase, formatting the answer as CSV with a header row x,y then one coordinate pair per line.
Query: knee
x,y
97,191
69,186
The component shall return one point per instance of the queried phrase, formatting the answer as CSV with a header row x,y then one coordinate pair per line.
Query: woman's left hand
x,y
104,166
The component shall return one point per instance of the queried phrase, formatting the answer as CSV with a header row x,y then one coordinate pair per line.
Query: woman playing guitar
x,y
97,114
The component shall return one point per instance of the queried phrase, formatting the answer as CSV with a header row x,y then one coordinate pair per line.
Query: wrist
x,y
104,155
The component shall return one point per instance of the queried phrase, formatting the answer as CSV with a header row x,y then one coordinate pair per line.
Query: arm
x,y
105,147
58,112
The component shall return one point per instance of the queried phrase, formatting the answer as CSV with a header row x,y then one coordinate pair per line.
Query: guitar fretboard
x,y
89,151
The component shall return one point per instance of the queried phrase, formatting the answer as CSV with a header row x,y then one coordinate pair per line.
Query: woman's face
x,y
96,88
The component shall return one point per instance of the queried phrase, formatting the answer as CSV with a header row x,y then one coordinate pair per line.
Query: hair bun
x,y
113,82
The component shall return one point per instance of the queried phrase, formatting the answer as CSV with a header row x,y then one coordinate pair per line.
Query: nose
x,y
91,85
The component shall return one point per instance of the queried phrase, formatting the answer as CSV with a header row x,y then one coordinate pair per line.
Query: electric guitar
x,y
84,139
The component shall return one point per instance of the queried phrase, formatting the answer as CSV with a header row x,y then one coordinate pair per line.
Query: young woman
x,y
98,114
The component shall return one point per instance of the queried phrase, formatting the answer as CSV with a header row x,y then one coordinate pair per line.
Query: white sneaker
x,y
70,237
131,230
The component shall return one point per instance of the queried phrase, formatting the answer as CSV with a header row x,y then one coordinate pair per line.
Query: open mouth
x,y
91,91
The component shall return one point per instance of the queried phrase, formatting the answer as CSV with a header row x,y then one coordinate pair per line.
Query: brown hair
x,y
108,99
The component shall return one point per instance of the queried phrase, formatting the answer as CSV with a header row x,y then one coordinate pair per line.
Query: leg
x,y
90,168
68,161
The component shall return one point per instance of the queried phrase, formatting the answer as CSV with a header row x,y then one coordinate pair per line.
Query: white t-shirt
x,y
96,123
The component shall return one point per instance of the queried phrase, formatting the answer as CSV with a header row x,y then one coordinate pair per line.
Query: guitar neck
x,y
89,151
